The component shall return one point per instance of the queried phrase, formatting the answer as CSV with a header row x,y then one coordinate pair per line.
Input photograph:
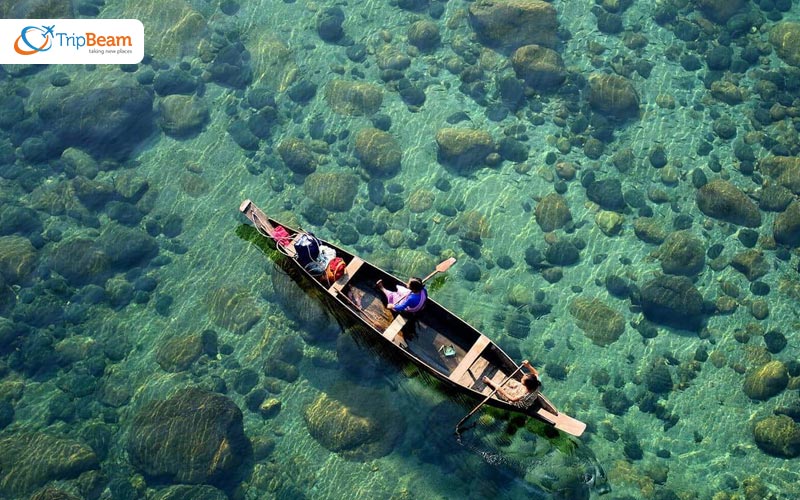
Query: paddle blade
x,y
445,265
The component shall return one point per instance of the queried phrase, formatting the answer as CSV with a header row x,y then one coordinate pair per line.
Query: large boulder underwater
x,y
29,460
195,437
105,121
673,301
358,424
232,308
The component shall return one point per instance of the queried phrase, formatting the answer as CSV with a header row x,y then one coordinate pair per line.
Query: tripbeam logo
x,y
29,47
71,41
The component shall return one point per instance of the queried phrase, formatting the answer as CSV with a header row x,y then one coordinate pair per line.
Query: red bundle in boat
x,y
281,236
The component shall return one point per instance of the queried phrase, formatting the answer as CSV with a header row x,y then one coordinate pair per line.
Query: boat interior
x,y
438,338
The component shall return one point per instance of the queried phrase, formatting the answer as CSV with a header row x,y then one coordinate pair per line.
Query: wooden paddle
x,y
442,267
458,425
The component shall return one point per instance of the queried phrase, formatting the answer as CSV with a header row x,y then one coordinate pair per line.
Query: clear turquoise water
x,y
203,178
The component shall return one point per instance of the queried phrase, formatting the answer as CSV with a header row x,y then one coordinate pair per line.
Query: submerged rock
x,y
297,155
361,426
720,10
20,220
12,111
194,437
649,230
105,121
232,308
540,67
390,58
336,427
614,95
786,228
682,253
52,493
80,261
17,258
230,64
673,301
785,170
470,225
421,200
332,191
424,34
607,193
179,352
778,435
8,333
785,37
514,23
29,460
563,253
463,148
751,263
657,378
243,136
766,381
722,200
127,247
599,322
405,262
353,98
174,81
552,212
174,30
379,152
609,222
182,116
774,198
329,24
186,492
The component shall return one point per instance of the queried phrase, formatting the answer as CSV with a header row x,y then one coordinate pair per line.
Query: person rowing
x,y
521,394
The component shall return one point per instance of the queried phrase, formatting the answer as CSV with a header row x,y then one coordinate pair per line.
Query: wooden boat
x,y
434,339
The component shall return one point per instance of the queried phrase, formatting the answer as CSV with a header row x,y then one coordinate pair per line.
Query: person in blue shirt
x,y
410,298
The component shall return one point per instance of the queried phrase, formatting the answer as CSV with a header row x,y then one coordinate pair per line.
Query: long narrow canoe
x,y
434,339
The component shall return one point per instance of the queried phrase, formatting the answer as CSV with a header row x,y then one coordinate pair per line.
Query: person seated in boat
x,y
521,394
409,298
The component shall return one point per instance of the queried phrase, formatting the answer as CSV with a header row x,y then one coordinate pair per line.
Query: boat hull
x,y
435,339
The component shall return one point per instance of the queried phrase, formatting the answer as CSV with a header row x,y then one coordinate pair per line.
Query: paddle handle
x,y
426,278
458,425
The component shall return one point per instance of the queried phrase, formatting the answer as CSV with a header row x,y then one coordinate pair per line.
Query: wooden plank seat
x,y
473,373
394,328
349,272
469,358
498,377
